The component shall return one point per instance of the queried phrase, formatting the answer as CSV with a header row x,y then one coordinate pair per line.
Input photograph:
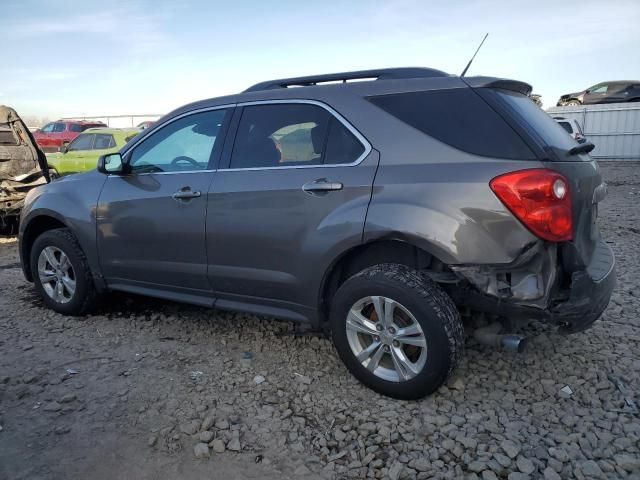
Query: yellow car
x,y
82,153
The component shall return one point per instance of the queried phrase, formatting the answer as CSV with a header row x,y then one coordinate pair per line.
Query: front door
x,y
151,222
295,193
596,94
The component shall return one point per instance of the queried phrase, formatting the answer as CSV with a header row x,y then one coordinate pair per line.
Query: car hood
x,y
20,157
573,95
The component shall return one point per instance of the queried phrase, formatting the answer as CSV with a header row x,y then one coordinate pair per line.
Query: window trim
x,y
128,147
340,118
232,130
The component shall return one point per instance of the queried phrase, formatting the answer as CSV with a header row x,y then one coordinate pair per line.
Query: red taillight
x,y
540,199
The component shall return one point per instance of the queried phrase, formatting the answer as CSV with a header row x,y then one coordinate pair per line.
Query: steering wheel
x,y
183,158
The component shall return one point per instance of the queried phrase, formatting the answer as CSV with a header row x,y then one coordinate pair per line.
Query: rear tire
x,y
414,349
61,273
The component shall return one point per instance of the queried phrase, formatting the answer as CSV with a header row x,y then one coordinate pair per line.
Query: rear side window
x,y
342,146
103,141
459,118
280,135
74,127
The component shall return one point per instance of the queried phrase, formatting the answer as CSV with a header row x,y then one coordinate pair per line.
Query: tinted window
x,y
280,135
535,119
566,126
183,145
58,127
103,141
292,134
84,141
342,145
74,127
459,118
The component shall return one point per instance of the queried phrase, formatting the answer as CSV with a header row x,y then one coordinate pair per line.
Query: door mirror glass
x,y
111,163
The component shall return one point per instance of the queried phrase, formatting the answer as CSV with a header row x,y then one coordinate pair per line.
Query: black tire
x,y
85,296
432,308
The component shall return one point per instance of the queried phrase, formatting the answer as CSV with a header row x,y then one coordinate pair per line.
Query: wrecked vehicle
x,y
374,208
23,167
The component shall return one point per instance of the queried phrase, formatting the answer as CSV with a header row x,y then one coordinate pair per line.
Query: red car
x,y
56,134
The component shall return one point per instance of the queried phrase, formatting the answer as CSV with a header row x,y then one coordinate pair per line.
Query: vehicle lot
x,y
127,393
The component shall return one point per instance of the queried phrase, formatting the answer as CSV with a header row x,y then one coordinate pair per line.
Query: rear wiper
x,y
582,148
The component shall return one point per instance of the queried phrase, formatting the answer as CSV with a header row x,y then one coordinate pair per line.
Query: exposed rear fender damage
x,y
528,280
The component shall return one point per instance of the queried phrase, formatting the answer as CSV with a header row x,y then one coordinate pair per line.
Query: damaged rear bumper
x,y
573,309
590,292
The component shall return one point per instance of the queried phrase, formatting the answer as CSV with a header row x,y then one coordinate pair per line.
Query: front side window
x,y
59,127
103,141
84,141
185,144
280,135
599,89
48,128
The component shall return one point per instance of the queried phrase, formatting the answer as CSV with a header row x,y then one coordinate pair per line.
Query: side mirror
x,y
63,149
111,164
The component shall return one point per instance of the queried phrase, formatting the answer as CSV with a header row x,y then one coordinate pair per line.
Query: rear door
x,y
151,222
293,190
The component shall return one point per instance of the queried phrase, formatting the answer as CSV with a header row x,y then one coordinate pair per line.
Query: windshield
x,y
537,120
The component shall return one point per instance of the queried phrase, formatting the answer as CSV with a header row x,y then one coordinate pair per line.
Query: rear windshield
x,y
536,120
460,118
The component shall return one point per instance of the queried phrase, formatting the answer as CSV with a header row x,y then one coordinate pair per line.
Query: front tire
x,y
573,103
396,331
61,273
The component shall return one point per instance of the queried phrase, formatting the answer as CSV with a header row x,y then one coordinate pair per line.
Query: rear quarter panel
x,y
438,197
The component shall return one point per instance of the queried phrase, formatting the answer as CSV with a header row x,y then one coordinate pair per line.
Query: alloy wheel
x,y
386,338
56,274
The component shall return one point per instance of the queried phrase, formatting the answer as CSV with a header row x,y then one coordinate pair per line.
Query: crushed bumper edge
x,y
589,296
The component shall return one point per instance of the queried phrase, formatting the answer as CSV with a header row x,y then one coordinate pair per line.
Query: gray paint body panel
x,y
256,241
271,242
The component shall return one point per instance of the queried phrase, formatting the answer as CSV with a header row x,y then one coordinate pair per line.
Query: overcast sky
x,y
84,57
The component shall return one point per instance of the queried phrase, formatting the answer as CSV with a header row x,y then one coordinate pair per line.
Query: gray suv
x,y
376,204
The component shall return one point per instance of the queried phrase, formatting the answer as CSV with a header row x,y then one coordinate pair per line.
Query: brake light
x,y
540,199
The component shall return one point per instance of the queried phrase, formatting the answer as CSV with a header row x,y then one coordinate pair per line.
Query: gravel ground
x,y
147,390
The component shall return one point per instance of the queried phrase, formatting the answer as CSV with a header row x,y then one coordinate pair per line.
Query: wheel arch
x,y
393,249
35,227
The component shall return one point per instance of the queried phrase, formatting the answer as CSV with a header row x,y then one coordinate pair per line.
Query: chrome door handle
x,y
322,185
186,193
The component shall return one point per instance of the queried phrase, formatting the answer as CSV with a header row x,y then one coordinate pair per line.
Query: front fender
x,y
72,202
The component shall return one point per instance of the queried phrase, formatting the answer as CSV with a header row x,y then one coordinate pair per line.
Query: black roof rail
x,y
379,74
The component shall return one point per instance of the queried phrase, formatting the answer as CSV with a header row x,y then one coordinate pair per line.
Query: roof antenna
x,y
474,56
